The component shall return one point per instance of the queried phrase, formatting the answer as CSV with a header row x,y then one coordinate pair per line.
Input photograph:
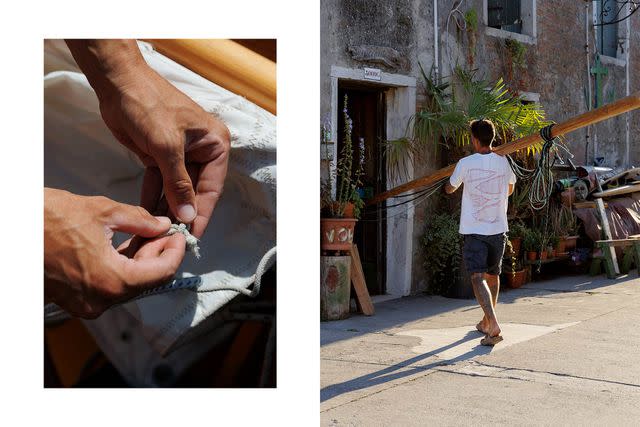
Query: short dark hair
x,y
484,131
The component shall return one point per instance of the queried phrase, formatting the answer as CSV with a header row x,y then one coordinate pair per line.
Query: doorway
x,y
366,106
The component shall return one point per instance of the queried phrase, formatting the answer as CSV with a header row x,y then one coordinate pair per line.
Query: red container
x,y
336,234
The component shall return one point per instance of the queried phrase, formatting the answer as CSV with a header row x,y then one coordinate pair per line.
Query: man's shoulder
x,y
467,159
501,158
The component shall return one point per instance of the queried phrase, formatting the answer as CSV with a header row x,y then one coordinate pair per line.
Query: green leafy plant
x,y
519,206
515,265
568,221
517,52
443,119
517,229
441,243
532,240
471,26
471,20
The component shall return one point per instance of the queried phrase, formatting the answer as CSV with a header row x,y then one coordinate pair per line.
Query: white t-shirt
x,y
485,196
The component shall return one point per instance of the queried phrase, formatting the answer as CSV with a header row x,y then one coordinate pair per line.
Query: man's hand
x,y
84,273
449,189
184,149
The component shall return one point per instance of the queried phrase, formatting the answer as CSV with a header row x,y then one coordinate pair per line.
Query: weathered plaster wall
x,y
402,33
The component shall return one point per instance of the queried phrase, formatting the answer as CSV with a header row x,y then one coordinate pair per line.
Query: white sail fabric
x,y
83,157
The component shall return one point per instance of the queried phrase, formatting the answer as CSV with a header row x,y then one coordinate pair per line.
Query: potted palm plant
x,y
451,103
341,206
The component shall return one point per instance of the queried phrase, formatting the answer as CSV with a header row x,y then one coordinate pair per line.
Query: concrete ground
x,y
570,356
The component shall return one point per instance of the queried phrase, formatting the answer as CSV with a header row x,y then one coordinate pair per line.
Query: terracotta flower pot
x,y
560,247
348,209
336,234
543,255
570,242
532,255
516,279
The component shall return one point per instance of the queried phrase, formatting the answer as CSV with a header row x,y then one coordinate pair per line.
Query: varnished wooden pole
x,y
228,64
621,106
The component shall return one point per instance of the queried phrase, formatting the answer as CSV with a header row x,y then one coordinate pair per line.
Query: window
x,y
510,19
505,15
606,35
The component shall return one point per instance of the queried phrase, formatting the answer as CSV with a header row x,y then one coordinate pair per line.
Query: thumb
x,y
137,220
178,188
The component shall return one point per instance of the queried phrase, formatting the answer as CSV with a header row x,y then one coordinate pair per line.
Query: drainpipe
x,y
435,39
589,95
627,90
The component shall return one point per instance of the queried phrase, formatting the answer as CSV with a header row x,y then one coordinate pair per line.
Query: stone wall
x,y
396,36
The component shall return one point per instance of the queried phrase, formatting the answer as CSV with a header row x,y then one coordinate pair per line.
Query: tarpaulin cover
x,y
624,219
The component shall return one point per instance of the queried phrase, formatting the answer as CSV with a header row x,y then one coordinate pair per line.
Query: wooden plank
x,y
239,352
359,283
621,106
625,189
607,235
226,63
618,242
70,347
588,204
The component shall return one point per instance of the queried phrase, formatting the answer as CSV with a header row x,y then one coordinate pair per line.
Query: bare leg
x,y
485,299
493,281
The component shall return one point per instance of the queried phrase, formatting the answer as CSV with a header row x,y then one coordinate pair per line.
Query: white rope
x,y
192,242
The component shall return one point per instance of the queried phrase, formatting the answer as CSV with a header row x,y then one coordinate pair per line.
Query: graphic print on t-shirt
x,y
487,191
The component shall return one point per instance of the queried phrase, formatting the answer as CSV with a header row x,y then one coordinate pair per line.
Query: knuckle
x,y
170,150
142,212
182,187
225,138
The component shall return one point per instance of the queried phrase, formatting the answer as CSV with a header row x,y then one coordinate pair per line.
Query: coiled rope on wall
x,y
541,178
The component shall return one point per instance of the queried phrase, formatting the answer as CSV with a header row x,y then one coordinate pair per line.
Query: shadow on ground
x,y
396,313
405,369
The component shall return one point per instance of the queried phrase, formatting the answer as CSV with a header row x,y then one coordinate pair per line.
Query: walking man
x,y
488,182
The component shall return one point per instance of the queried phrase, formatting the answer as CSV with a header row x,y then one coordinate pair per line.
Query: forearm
x,y
108,64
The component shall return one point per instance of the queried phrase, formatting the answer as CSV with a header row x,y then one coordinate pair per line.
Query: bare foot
x,y
493,330
482,326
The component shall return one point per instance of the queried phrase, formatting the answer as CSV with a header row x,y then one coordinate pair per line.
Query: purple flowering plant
x,y
348,174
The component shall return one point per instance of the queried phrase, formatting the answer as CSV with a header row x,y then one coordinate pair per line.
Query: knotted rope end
x,y
191,240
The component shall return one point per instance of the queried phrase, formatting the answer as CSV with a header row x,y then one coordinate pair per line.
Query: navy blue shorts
x,y
483,254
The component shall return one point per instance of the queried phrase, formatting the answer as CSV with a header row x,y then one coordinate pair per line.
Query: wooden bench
x,y
631,247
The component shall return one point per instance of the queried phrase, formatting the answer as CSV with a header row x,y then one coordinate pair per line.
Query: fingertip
x,y
165,221
177,241
186,213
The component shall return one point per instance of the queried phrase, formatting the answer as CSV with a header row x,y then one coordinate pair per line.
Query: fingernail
x,y
165,220
186,213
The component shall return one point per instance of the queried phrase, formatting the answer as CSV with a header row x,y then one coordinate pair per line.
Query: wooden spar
x,y
620,106
228,64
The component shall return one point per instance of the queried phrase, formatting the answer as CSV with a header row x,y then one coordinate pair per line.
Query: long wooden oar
x,y
228,64
621,106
